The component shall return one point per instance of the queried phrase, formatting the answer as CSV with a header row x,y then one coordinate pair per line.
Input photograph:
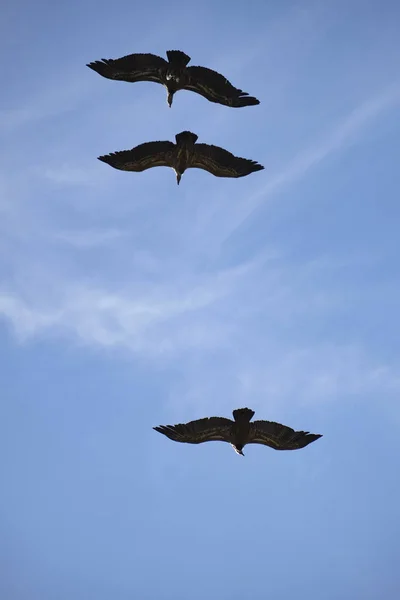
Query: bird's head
x,y
170,98
239,450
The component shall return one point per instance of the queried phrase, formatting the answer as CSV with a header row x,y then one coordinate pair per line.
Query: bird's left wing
x,y
201,430
216,88
221,163
132,68
142,157
279,436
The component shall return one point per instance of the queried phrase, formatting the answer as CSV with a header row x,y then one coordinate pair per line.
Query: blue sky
x,y
128,302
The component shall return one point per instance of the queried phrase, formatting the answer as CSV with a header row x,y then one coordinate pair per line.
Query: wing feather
x,y
221,163
142,157
132,68
216,88
199,431
279,436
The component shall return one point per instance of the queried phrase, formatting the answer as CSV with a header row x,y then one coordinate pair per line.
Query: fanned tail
x,y
186,136
243,415
177,58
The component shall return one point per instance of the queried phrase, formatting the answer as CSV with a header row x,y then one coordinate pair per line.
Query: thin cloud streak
x,y
340,137
89,238
68,175
54,100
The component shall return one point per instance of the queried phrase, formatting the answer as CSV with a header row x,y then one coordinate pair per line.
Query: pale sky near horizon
x,y
128,302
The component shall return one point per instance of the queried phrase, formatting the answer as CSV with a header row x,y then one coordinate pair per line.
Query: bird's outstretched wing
x,y
279,436
216,88
221,163
132,68
201,430
142,157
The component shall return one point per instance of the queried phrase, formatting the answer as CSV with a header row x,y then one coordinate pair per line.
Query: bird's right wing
x,y
201,430
142,157
216,88
279,436
221,163
132,68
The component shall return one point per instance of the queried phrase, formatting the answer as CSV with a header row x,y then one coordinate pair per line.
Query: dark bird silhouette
x,y
175,75
239,432
185,154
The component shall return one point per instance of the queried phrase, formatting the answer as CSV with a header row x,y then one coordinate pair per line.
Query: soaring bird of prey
x,y
239,432
185,154
175,75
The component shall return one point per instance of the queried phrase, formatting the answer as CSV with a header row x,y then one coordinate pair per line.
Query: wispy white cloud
x,y
27,320
282,383
114,315
143,317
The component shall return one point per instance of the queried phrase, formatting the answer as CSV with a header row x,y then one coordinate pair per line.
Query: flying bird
x,y
185,154
174,75
239,432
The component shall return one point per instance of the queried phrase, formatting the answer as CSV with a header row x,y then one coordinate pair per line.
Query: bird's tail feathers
x,y
177,58
243,415
186,136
